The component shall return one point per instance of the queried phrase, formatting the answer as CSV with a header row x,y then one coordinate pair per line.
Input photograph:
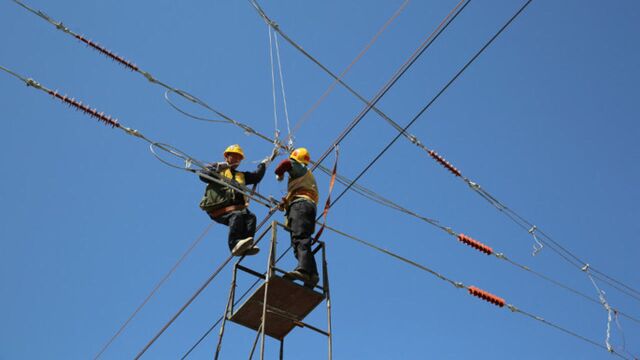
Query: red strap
x,y
327,204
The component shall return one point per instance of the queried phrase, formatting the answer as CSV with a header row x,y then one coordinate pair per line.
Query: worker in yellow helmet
x,y
229,207
300,205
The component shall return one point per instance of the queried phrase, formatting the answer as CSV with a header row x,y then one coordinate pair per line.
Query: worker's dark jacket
x,y
218,196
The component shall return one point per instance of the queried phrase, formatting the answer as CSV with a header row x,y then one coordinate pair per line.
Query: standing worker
x,y
229,207
300,205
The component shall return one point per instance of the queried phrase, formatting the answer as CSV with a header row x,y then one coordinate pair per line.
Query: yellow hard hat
x,y
235,149
301,155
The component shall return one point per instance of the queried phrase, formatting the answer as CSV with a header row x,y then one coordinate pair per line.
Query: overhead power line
x,y
514,216
154,290
370,105
308,113
114,123
476,291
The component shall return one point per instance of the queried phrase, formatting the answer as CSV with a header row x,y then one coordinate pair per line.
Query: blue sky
x,y
545,119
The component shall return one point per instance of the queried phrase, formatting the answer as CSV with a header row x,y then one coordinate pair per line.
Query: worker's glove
x,y
281,204
221,166
271,157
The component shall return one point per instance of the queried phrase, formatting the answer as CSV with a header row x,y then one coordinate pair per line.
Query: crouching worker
x,y
229,207
300,205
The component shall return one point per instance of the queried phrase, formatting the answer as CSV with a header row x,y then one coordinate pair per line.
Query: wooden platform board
x,y
287,303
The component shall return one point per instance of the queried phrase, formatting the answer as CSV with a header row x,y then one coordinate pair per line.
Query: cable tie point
x,y
149,77
35,84
585,268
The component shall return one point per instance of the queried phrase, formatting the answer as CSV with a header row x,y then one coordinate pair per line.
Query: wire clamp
x,y
459,285
185,95
60,26
512,308
585,268
273,24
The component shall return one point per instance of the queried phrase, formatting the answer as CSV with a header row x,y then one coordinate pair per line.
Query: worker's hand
x,y
279,177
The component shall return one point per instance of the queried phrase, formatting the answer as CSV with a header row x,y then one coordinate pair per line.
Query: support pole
x,y
282,349
227,311
269,273
325,283
255,342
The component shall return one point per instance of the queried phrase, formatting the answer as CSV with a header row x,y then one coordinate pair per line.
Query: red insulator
x,y
86,109
475,244
496,300
444,163
108,53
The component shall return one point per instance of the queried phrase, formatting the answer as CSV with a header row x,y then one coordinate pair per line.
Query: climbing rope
x,y
276,137
327,204
273,85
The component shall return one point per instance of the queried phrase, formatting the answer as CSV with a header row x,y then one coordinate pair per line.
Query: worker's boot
x,y
242,247
313,281
251,251
296,275
309,281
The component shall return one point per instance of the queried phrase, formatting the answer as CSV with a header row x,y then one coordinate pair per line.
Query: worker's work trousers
x,y
301,220
241,223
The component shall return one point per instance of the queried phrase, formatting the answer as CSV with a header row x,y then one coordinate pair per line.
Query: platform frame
x,y
268,311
